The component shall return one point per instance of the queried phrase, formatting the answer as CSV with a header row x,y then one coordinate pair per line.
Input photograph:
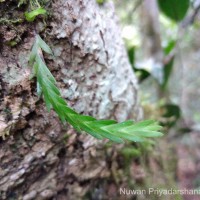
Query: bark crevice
x,y
42,158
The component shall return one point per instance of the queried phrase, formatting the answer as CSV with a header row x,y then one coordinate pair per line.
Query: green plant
x,y
175,10
30,16
36,9
100,2
100,129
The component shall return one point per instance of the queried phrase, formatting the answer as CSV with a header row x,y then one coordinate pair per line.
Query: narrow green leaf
x,y
43,45
48,103
169,47
141,124
85,118
33,54
39,89
114,127
98,124
102,123
149,133
167,72
129,136
44,69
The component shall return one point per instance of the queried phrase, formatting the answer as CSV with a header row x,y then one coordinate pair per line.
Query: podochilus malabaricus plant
x,y
100,129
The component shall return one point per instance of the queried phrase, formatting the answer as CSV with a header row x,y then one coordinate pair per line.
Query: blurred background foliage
x,y
162,38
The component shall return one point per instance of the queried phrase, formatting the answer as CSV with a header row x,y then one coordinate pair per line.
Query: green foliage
x,y
12,43
131,55
100,2
100,129
130,152
30,16
167,73
174,9
170,46
166,70
171,115
142,74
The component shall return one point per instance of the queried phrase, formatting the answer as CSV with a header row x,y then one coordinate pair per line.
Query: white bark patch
x,y
106,83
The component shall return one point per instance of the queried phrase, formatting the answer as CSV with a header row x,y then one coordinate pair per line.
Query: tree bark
x,y
150,30
40,157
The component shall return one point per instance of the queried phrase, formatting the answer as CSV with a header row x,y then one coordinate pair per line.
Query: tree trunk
x,y
40,158
150,30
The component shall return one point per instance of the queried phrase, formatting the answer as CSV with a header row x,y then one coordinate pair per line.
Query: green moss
x,y
7,21
65,138
130,152
12,43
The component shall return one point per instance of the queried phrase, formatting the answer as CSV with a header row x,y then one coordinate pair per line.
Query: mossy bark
x,y
40,157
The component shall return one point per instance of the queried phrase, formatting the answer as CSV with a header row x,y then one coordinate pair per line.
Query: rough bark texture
x,y
40,157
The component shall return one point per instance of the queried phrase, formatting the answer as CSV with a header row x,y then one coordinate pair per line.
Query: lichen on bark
x,y
41,158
